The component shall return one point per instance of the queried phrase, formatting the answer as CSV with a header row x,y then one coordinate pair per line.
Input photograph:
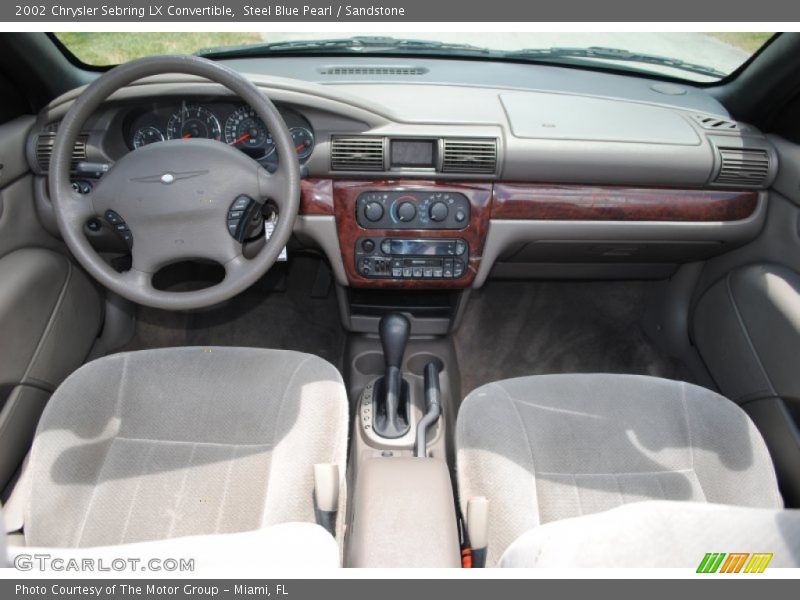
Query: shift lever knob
x,y
394,331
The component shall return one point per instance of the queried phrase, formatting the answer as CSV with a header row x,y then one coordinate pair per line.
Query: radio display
x,y
413,153
421,248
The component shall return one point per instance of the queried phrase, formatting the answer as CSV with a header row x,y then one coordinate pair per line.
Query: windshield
x,y
694,56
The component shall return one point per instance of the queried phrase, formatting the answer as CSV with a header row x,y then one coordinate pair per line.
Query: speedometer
x,y
193,121
246,131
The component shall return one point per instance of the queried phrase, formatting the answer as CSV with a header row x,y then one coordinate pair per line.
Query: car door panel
x,y
50,311
746,324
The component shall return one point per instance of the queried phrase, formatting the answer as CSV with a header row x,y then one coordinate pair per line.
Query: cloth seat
x,y
662,534
160,444
553,447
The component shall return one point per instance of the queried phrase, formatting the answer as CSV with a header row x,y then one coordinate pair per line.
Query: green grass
x,y
749,41
101,49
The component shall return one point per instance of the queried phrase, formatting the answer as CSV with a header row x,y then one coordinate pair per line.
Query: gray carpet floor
x,y
277,312
512,329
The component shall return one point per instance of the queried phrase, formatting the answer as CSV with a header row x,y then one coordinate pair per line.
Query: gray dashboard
x,y
549,125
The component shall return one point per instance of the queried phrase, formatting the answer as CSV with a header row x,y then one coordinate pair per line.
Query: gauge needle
x,y
186,136
299,147
240,139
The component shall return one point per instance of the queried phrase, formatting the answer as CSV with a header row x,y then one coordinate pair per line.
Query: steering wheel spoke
x,y
274,187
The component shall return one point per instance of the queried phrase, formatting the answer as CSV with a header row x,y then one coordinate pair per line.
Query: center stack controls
x,y
389,257
405,258
412,210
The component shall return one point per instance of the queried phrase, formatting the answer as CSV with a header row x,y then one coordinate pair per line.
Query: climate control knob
x,y
406,211
438,211
373,211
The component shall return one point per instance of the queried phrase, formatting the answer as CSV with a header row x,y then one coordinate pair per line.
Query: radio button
x,y
368,246
437,272
461,247
407,272
417,272
386,246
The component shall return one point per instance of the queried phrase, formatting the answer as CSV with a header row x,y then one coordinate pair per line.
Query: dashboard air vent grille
x,y
44,149
716,123
357,153
743,166
399,70
469,156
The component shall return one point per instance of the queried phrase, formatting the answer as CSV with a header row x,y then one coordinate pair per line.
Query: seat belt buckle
x,y
326,495
477,532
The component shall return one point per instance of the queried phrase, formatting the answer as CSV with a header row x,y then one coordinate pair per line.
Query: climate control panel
x,y
403,258
412,210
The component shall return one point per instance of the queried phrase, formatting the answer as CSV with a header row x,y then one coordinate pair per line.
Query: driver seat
x,y
175,442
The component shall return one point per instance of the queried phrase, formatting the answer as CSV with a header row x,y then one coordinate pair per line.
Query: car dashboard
x,y
425,176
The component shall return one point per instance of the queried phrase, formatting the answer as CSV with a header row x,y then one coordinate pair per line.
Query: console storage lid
x,y
403,515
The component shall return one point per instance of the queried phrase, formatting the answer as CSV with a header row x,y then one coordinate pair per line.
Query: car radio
x,y
404,258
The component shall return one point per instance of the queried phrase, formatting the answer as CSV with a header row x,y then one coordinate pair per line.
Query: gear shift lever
x,y
391,415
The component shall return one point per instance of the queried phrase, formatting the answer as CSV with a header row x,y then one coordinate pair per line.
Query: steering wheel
x,y
178,199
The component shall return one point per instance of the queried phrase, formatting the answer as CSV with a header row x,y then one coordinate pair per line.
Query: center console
x,y
411,234
402,510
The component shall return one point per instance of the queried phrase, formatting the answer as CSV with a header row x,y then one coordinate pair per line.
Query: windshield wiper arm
x,y
613,54
355,45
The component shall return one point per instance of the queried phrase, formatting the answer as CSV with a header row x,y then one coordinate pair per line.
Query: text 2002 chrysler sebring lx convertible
x,y
376,301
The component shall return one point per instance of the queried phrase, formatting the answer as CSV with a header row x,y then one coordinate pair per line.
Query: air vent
x,y
44,149
357,154
715,123
469,156
743,166
397,70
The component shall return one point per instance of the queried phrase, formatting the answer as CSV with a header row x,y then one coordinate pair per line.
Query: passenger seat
x,y
549,448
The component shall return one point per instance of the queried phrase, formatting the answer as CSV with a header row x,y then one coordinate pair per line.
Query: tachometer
x,y
303,141
147,135
246,131
193,121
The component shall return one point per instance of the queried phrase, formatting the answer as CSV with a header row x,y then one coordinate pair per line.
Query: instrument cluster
x,y
235,124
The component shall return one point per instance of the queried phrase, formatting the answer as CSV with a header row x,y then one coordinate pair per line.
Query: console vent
x,y
372,70
357,154
44,149
743,166
469,156
716,123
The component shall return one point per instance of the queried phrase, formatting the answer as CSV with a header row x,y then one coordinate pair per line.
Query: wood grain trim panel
x,y
579,203
345,194
316,197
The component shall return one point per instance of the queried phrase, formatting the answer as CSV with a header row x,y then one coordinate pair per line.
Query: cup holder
x,y
370,363
416,363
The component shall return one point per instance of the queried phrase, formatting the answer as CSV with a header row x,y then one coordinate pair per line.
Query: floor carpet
x,y
277,312
512,329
